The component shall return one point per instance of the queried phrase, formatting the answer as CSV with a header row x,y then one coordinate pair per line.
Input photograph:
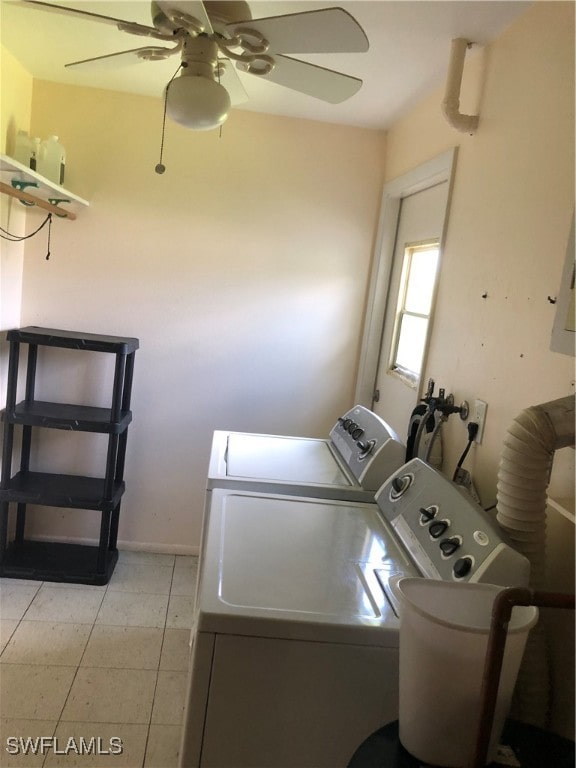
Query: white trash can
x,y
444,630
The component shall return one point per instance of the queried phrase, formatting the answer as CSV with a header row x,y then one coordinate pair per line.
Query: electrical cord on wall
x,y
5,235
472,432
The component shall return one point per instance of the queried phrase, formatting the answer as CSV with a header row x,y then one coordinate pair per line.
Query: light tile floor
x,y
80,662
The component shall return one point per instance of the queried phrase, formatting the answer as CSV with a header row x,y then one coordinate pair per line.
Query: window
x,y
417,285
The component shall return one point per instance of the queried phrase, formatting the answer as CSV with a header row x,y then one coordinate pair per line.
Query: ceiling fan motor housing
x,y
200,57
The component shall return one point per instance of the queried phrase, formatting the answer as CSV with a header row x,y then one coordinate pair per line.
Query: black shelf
x,y
58,561
75,491
82,418
91,342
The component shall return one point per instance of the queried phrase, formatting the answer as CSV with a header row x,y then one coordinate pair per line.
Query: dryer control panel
x,y
368,447
447,534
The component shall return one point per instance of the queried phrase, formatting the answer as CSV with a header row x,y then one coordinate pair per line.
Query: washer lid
x,y
291,459
296,567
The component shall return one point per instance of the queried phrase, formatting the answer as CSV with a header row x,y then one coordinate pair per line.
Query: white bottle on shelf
x,y
52,160
23,148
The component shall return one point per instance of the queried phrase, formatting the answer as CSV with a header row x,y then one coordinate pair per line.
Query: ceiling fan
x,y
209,36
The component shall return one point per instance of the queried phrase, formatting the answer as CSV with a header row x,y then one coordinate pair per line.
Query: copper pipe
x,y
501,613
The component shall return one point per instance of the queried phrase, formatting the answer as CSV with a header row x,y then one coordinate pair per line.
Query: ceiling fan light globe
x,y
197,102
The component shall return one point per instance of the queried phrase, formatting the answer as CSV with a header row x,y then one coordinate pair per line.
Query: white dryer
x,y
295,653
359,454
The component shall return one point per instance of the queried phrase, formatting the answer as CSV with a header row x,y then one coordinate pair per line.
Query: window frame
x,y
407,376
435,171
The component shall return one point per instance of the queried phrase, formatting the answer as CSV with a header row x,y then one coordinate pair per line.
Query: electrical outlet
x,y
479,416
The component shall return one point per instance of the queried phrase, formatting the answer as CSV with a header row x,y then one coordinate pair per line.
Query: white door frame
x,y
435,171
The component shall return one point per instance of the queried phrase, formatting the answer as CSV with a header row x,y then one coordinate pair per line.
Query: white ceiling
x,y
408,56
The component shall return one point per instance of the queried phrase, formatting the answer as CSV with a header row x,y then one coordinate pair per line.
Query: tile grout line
x,y
11,635
53,734
59,720
18,622
158,670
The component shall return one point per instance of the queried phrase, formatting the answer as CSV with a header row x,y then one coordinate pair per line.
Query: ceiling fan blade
x,y
332,30
124,58
193,8
325,84
127,26
230,80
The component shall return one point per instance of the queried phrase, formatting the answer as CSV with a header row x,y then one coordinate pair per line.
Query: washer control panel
x,y
448,535
368,447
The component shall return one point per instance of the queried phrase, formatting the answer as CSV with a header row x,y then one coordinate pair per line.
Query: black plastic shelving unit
x,y
53,561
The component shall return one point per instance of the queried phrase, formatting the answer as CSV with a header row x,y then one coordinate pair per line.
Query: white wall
x,y
15,113
510,215
242,271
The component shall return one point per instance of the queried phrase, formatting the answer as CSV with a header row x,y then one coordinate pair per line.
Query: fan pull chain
x,y
160,167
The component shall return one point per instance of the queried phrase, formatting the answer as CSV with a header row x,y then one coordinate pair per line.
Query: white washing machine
x,y
295,653
360,453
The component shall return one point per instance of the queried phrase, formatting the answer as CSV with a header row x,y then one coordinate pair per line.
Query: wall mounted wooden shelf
x,y
32,189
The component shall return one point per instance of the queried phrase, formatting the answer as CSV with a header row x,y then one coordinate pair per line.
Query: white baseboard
x,y
131,546
161,549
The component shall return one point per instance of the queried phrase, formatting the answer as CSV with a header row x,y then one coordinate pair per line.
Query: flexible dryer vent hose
x,y
523,478
524,474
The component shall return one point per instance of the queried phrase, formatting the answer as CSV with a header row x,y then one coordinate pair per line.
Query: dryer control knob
x,y
449,546
366,447
462,567
438,528
428,513
400,485
357,433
